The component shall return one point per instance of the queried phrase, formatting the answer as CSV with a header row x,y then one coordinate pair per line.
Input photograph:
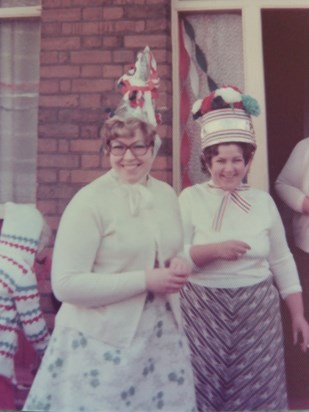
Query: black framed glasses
x,y
137,148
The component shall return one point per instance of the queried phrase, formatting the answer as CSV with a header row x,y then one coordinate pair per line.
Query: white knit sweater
x,y
109,234
261,228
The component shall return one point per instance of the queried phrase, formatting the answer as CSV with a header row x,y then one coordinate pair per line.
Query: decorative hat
x,y
139,87
225,116
20,233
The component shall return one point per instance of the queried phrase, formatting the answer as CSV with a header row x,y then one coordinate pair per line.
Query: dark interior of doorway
x,y
285,45
286,71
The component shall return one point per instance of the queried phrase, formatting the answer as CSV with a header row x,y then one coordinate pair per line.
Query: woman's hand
x,y
300,329
170,279
232,249
180,266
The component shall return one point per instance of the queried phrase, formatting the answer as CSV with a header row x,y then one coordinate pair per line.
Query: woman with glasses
x,y
118,344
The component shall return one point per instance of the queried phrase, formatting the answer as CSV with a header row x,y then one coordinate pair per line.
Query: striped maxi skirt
x,y
235,337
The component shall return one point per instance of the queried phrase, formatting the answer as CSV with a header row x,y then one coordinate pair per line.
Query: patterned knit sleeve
x,y
27,302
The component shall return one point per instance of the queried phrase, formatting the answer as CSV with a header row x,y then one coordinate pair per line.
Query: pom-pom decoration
x,y
223,98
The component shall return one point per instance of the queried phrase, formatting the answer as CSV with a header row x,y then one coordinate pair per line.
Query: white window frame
x,y
253,71
17,13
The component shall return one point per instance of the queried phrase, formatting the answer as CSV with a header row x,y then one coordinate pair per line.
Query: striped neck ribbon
x,y
233,196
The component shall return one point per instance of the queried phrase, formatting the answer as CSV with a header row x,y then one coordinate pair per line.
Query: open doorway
x,y
285,34
286,70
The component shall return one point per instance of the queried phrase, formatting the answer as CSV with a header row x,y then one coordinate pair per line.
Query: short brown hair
x,y
211,151
117,126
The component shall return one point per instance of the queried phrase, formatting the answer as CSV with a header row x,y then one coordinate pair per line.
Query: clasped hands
x,y
169,279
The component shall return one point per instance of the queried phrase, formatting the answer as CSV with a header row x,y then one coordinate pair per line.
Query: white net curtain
x,y
210,55
19,87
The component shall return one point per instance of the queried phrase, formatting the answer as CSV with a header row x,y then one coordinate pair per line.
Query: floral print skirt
x,y
79,373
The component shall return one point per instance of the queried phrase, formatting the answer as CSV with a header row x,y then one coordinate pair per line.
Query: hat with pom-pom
x,y
225,117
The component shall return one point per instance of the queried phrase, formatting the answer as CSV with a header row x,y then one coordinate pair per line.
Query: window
x,y
19,91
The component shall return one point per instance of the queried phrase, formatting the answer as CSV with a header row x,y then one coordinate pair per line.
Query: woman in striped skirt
x,y
236,241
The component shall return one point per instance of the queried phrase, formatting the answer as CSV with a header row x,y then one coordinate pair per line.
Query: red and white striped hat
x,y
225,117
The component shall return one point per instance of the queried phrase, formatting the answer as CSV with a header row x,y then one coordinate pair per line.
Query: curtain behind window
x,y
19,80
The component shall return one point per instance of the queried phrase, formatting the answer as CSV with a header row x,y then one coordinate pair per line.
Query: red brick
x,y
130,26
65,86
47,145
58,161
113,42
47,175
59,101
63,146
49,86
58,130
90,161
62,43
147,11
48,57
65,176
47,207
85,146
90,101
92,13
47,115
98,28
92,42
112,70
52,191
91,71
157,25
112,13
85,176
58,14
79,115
64,57
60,71
140,41
91,57
50,29
124,56
89,85
89,132
70,3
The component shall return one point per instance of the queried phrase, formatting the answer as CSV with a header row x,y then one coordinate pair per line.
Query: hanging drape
x,y
211,55
19,81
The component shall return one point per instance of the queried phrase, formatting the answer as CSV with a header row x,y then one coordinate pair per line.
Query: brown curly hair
x,y
117,126
208,153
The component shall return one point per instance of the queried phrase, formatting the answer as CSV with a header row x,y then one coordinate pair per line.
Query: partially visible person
x,y
22,239
292,186
118,342
236,240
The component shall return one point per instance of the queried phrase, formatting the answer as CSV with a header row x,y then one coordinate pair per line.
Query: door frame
x,y
251,12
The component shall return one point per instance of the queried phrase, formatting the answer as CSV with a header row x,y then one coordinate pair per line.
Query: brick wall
x,y
86,46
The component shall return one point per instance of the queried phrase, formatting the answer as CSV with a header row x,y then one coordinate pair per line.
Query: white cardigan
x,y
292,186
109,234
261,228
